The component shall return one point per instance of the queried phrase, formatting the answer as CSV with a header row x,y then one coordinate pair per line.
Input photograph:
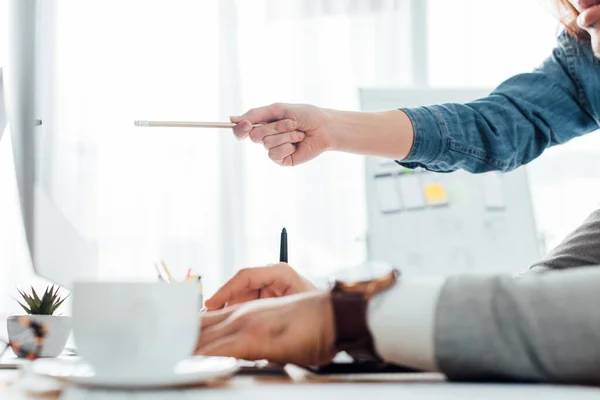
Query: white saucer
x,y
193,371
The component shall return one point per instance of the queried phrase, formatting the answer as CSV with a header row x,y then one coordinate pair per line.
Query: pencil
x,y
167,271
186,124
283,247
159,273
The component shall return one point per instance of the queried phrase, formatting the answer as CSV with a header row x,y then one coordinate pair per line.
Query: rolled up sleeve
x,y
431,135
514,124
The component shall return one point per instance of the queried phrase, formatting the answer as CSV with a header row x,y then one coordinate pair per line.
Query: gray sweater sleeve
x,y
581,248
545,328
542,329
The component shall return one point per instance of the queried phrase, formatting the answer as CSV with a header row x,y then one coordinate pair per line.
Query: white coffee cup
x,y
135,328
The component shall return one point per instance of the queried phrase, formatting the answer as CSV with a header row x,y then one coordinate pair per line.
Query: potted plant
x,y
41,311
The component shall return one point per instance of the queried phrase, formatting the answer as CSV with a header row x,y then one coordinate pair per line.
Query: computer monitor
x,y
2,114
54,165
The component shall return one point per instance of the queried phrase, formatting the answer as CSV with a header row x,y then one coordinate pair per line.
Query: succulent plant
x,y
46,305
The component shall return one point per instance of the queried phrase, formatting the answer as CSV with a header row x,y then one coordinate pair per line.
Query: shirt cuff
x,y
402,323
429,137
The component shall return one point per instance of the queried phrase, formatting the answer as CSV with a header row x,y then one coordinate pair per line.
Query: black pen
x,y
283,251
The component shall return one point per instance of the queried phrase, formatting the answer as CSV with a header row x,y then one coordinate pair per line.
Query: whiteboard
x,y
443,223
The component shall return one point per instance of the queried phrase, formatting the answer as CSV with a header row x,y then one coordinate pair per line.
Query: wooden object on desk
x,y
302,375
13,387
265,387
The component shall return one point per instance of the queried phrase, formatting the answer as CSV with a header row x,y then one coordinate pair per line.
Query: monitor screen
x,y
54,151
2,113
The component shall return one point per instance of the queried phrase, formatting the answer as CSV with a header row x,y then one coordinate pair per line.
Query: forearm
x,y
386,134
493,327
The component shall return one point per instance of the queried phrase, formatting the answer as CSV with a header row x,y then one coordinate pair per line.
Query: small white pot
x,y
59,329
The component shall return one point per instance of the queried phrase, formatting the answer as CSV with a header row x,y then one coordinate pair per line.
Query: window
x,y
202,200
481,43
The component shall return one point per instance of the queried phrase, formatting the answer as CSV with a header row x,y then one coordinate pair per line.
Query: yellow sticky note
x,y
436,194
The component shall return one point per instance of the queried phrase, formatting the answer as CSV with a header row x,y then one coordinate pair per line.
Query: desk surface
x,y
430,387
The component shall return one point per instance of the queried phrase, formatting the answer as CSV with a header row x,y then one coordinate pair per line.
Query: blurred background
x,y
201,199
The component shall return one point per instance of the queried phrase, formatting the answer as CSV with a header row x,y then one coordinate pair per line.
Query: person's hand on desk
x,y
295,329
248,284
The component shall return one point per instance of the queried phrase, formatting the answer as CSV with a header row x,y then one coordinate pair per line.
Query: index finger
x,y
246,279
271,113
211,318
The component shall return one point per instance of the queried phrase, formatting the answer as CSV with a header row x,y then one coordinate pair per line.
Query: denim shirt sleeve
x,y
517,121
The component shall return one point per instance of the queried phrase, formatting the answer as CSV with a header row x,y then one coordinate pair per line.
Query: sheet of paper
x,y
436,194
386,162
387,195
411,191
493,191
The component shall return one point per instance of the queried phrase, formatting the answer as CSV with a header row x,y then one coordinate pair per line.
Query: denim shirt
x,y
525,115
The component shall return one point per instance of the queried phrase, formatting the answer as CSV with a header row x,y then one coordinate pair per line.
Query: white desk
x,y
265,388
